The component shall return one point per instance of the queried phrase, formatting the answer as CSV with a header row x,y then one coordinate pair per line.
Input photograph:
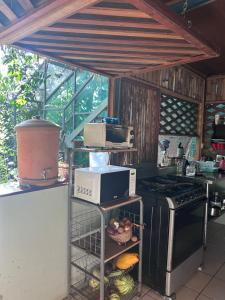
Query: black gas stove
x,y
180,191
174,212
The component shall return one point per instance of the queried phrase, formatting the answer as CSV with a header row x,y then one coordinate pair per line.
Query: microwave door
x,y
116,134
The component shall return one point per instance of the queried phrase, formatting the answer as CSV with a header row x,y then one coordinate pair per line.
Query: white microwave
x,y
108,135
104,184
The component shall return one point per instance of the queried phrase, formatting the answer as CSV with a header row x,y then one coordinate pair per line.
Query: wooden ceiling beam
x,y
156,35
174,22
43,16
115,41
126,49
26,4
7,11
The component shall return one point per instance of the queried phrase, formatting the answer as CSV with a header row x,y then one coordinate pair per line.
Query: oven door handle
x,y
170,240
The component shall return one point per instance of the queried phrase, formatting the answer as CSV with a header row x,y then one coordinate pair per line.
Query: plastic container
x,y
98,159
208,166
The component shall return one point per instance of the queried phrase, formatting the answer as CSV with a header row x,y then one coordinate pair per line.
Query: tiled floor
x,y
210,283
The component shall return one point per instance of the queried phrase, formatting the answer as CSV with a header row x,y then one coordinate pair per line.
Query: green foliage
x,y
25,81
19,80
88,100
23,76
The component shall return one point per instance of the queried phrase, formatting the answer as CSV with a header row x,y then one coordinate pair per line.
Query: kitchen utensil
x,y
215,211
216,201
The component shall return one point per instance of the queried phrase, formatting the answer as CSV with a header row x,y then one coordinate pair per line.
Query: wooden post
x,y
200,128
111,97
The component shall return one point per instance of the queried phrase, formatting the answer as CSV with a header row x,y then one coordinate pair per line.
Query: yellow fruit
x,y
127,260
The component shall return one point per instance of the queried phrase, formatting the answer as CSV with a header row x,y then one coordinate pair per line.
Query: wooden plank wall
x,y
140,107
180,81
215,91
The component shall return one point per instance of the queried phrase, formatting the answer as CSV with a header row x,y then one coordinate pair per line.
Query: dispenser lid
x,y
36,122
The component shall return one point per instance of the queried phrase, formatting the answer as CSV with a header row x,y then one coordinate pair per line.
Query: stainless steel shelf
x,y
83,289
88,239
92,244
109,150
85,262
111,205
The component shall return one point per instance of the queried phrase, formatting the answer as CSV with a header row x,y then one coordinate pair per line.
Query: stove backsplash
x,y
146,169
189,144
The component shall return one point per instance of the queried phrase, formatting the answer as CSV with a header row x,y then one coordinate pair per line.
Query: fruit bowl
x,y
121,238
120,230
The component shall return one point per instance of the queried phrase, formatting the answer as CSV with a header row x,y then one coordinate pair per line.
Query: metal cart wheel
x,y
172,297
200,268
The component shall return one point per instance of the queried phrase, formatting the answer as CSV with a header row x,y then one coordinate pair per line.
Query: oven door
x,y
188,231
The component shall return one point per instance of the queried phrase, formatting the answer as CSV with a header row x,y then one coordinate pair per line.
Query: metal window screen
x,y
178,117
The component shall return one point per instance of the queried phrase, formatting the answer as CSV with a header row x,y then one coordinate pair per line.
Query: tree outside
x,y
20,77
25,80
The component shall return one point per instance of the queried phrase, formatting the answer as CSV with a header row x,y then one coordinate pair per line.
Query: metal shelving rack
x,y
89,245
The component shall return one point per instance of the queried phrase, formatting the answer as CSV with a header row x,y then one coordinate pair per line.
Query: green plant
x,y
25,81
19,79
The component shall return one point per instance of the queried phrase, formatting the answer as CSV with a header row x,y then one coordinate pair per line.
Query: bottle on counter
x,y
182,164
180,151
191,169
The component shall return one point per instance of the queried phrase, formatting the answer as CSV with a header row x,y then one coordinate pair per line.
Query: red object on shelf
x,y
222,164
214,146
218,146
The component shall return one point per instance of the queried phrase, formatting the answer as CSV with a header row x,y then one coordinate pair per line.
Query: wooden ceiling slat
x,y
115,70
40,17
69,63
26,4
126,49
115,41
106,32
7,11
117,65
167,64
131,13
114,59
133,24
118,54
